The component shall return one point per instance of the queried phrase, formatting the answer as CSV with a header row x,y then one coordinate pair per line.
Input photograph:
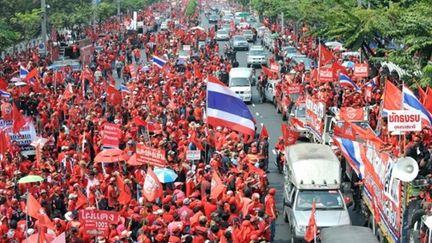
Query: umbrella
x,y
348,64
15,79
197,28
333,44
20,83
110,156
133,161
30,179
165,175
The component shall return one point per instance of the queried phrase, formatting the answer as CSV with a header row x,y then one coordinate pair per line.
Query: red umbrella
x,y
110,156
133,161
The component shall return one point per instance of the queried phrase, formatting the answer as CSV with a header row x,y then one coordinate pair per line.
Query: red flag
x,y
4,142
197,72
271,74
338,67
194,139
311,229
152,188
392,97
34,209
421,93
81,200
217,186
264,133
113,95
3,84
139,122
44,221
326,56
31,74
68,93
290,135
124,193
18,119
428,100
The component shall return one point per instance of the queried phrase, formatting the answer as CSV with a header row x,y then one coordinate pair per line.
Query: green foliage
x,y
191,8
105,10
426,80
28,21
7,35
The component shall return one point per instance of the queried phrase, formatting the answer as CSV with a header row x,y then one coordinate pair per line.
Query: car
x,y
213,19
297,119
270,91
243,25
256,56
222,35
298,59
289,51
249,35
239,42
226,27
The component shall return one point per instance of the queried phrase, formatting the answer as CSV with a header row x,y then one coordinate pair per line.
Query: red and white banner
x,y
97,222
295,89
361,70
111,135
404,121
352,114
325,75
315,112
151,156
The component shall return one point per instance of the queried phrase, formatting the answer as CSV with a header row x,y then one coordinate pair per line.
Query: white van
x,y
240,80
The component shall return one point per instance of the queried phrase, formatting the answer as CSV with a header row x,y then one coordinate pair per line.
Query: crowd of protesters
x,y
73,123
171,99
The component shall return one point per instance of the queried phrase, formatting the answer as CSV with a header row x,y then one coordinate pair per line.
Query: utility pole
x,y
94,4
44,24
118,7
282,23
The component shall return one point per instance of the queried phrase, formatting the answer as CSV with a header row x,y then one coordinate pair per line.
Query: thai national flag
x,y
158,61
23,72
345,81
124,88
225,108
352,151
410,102
4,94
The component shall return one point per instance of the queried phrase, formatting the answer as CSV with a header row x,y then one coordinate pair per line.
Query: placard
x,y
361,70
97,222
325,75
193,154
111,135
294,89
24,138
315,112
404,121
151,156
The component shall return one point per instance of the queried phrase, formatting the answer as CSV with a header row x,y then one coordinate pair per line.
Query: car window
x,y
238,82
325,200
256,53
239,38
300,111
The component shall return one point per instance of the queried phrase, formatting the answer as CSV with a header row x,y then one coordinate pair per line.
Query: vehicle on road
x,y
222,35
348,233
239,42
213,18
270,91
256,56
289,51
298,59
297,119
313,174
249,35
240,81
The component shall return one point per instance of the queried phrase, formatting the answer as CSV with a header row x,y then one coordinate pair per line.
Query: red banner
x,y
361,70
111,135
352,114
325,74
97,222
295,89
151,156
315,113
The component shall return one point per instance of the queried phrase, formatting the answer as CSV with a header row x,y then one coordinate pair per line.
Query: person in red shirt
x,y
271,211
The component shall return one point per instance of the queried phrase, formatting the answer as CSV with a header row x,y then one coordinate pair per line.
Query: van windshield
x,y
300,111
325,200
237,82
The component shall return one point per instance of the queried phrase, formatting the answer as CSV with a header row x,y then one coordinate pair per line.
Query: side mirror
x,y
348,201
346,187
287,204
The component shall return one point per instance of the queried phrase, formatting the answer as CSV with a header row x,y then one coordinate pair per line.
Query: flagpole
x,y
26,226
319,58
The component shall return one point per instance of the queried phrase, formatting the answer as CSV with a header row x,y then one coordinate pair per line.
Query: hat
x,y
186,201
69,216
72,196
272,191
125,234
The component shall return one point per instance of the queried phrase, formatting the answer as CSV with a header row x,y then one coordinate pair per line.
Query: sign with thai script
x,y
193,154
24,138
111,135
151,156
404,121
97,222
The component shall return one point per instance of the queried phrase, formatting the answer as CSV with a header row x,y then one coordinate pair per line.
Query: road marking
x,y
274,152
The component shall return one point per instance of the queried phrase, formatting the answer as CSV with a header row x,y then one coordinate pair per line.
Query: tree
x,y
7,35
29,22
105,10
191,8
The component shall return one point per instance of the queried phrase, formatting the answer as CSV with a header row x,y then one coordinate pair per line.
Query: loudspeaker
x,y
406,169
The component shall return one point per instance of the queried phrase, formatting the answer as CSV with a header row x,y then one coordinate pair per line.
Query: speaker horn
x,y
406,169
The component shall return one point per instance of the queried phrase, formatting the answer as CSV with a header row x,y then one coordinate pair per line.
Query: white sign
x,y
24,138
404,121
193,154
186,47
